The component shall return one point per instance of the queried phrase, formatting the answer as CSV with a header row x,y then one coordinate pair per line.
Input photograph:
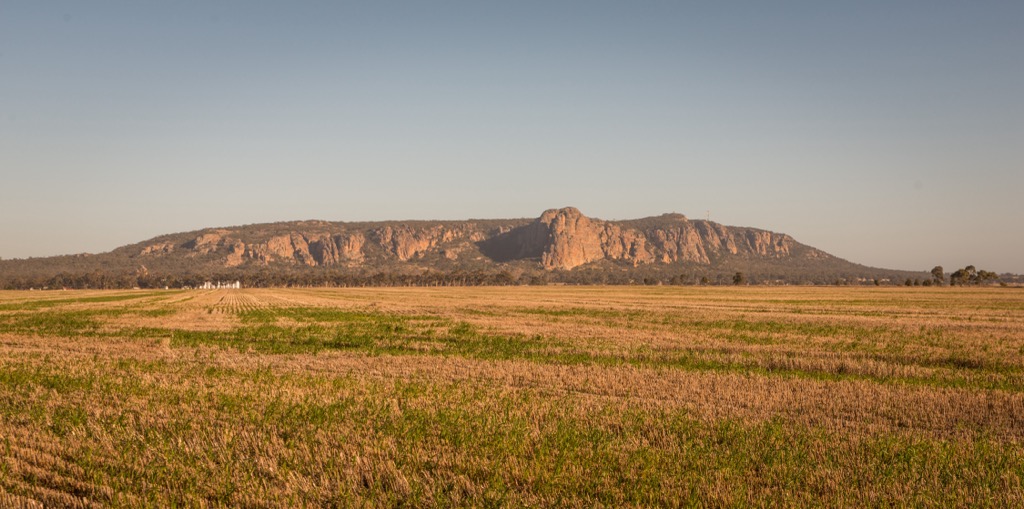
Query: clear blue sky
x,y
889,133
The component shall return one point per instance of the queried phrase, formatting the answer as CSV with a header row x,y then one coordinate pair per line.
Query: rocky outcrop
x,y
572,239
236,255
564,239
407,242
161,248
206,243
337,249
560,239
308,249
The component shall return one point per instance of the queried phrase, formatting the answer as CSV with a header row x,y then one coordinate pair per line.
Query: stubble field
x,y
540,396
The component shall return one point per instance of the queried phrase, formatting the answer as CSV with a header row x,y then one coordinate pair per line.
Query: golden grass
x,y
565,396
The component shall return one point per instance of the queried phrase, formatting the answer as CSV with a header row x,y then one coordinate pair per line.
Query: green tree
x,y
938,276
970,275
984,276
958,278
739,279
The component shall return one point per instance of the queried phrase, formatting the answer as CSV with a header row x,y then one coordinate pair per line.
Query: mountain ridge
x,y
559,245
561,239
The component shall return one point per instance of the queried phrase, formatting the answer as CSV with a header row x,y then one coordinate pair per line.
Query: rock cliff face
x,y
337,249
560,239
565,239
406,242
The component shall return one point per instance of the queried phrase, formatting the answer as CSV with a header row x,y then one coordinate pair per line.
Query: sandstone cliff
x,y
560,239
565,239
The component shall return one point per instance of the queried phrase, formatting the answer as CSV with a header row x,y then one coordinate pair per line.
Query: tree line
x,y
968,275
107,279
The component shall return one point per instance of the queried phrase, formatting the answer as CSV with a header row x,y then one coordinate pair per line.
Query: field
x,y
524,396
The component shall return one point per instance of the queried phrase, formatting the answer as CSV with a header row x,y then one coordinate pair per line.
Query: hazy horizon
x,y
888,134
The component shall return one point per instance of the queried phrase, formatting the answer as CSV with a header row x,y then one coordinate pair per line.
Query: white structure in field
x,y
219,285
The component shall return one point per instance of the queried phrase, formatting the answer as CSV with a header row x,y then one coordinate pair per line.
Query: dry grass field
x,y
541,396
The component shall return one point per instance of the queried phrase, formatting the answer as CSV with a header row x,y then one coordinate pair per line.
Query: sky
x,y
889,133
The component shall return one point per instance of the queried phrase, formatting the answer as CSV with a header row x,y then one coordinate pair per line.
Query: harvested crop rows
x,y
540,396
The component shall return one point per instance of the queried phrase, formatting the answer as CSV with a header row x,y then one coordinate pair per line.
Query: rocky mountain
x,y
560,239
566,239
555,246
